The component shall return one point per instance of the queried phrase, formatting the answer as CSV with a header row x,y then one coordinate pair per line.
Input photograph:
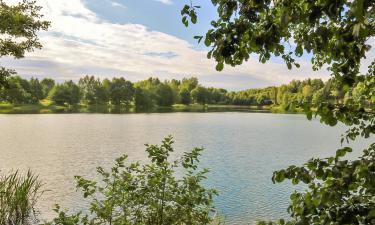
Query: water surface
x,y
242,151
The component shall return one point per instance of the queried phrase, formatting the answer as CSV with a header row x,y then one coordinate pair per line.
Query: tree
x,y
17,92
143,99
121,91
19,25
185,97
66,93
189,83
47,85
165,96
336,34
200,95
92,90
150,194
36,90
307,92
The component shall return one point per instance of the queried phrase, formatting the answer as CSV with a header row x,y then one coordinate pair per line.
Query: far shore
x,y
46,107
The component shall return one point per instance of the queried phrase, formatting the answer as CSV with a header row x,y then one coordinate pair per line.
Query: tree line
x,y
152,92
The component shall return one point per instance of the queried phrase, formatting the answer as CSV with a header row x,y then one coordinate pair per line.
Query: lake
x,y
242,151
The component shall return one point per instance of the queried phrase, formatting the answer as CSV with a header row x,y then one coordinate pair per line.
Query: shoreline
x,y
43,108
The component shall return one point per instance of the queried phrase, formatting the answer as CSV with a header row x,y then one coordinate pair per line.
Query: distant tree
x,y
217,95
143,98
93,91
121,91
17,91
200,95
175,86
47,85
165,95
189,83
66,93
19,25
307,92
262,99
35,90
185,97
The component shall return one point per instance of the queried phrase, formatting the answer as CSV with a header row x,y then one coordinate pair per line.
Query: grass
x,y
18,197
44,106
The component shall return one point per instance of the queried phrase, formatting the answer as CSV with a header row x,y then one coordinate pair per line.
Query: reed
x,y
18,196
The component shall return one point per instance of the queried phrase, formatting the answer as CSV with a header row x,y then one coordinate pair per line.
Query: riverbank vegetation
x,y
120,95
18,197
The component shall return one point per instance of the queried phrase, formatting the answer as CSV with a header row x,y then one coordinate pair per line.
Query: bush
x,y
134,193
339,191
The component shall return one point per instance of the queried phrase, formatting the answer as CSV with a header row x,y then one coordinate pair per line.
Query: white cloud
x,y
167,2
79,42
116,4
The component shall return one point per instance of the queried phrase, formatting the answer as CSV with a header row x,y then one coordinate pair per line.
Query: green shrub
x,y
135,193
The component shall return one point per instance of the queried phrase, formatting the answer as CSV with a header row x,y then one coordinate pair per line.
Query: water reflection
x,y
242,151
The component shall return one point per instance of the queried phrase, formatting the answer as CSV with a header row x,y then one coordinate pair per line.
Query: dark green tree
x,y
66,93
185,97
200,95
17,91
121,91
35,90
143,99
93,91
165,95
47,85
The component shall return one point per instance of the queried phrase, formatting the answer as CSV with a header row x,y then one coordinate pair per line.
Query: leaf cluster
x,y
160,192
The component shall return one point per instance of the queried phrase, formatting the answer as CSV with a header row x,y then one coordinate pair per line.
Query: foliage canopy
x,y
19,25
337,35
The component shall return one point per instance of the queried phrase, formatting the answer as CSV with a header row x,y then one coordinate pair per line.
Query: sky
x,y
138,39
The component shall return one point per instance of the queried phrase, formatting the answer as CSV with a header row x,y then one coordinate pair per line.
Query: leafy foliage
x,y
161,192
152,92
340,191
19,25
66,93
336,34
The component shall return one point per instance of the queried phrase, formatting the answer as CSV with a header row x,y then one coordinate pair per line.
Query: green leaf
x,y
220,66
342,152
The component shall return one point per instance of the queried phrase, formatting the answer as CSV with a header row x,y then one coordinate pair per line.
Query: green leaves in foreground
x,y
19,26
339,191
135,193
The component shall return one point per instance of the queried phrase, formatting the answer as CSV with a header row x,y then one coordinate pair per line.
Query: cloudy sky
x,y
138,39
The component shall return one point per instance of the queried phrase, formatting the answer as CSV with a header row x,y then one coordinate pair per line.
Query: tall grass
x,y
18,197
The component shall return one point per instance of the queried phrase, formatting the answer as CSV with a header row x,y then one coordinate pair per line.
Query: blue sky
x,y
138,39
156,15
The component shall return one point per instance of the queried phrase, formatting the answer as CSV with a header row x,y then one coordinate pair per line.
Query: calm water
x,y
242,151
